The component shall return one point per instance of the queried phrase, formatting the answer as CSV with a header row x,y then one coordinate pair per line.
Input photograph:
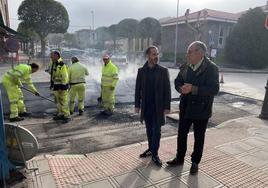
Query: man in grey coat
x,y
198,83
152,98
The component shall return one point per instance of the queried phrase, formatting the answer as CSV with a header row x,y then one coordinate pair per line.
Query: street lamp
x,y
176,35
92,12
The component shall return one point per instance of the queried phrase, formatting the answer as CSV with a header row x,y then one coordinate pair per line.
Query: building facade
x,y
86,38
210,26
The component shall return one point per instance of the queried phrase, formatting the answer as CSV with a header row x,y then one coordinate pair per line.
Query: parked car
x,y
119,60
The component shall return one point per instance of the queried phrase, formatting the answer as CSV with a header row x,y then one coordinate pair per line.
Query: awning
x,y
11,30
8,30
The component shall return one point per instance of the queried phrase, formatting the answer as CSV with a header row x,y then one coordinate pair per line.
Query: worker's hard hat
x,y
74,58
106,56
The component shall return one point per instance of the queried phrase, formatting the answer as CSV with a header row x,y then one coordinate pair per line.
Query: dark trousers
x,y
153,131
199,138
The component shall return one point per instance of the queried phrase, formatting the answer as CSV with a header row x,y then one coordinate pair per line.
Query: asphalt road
x,y
93,132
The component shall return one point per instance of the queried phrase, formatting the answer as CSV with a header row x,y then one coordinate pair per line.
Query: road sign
x,y
21,144
12,45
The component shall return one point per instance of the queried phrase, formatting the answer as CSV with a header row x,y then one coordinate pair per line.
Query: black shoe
x,y
146,153
175,162
24,114
194,169
104,112
156,160
16,119
55,114
107,112
58,117
81,112
66,119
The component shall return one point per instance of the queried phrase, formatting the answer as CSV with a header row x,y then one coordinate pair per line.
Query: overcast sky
x,y
107,12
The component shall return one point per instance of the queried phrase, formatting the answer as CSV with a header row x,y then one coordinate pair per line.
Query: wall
x,y
186,36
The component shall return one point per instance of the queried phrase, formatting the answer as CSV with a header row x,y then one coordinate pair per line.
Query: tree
x,y
196,28
113,35
70,40
102,36
55,39
28,36
128,28
44,17
247,43
150,28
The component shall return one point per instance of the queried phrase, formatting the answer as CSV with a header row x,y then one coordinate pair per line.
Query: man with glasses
x,y
198,83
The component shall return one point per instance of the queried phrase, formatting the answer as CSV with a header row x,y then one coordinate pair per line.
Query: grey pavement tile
x,y
31,183
42,165
179,170
235,148
255,142
173,184
99,184
257,159
45,180
262,132
200,180
265,170
155,173
131,180
265,147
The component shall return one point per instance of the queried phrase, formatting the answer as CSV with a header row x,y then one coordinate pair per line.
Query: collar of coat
x,y
147,66
202,68
59,62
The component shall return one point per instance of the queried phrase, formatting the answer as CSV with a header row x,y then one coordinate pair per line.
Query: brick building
x,y
209,26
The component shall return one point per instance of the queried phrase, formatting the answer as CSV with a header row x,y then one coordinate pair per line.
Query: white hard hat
x,y
106,56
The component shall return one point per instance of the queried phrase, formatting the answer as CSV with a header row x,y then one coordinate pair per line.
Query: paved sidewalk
x,y
235,155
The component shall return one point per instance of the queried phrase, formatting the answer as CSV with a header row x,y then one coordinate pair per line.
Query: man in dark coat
x,y
152,98
198,83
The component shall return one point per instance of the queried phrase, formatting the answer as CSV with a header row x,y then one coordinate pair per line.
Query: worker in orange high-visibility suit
x,y
60,86
12,81
109,80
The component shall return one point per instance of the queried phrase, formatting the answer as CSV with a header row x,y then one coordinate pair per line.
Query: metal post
x,y
264,110
176,35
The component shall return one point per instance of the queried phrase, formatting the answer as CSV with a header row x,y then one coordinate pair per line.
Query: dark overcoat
x,y
198,103
162,92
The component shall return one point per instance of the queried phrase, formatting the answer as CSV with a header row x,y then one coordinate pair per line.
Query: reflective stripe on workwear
x,y
109,75
60,73
21,74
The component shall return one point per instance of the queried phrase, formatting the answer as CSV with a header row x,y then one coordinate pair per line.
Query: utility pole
x,y
176,35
